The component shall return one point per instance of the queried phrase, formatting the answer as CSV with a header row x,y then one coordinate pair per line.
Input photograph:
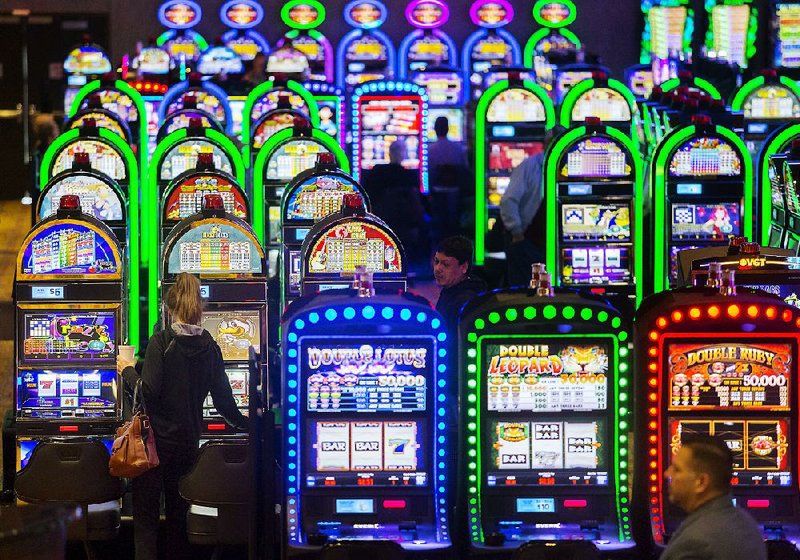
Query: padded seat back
x,y
360,550
557,550
222,475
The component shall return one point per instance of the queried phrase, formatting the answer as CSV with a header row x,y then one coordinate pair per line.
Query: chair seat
x,y
103,523
207,525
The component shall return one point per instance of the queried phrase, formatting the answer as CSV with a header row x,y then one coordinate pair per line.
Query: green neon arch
x,y
661,158
751,86
530,46
480,152
776,145
699,83
272,143
259,92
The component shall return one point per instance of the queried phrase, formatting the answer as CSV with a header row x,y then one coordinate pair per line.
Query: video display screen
x,y
760,446
69,335
595,222
546,375
237,377
373,376
566,80
366,453
101,120
771,102
72,249
102,158
205,101
729,375
385,120
729,26
287,60
183,157
705,155
547,452
595,265
455,120
790,293
504,157
178,121
269,102
292,158
87,59
215,247
667,25
182,47
596,157
444,88
787,37
117,102
641,82
709,222
294,262
497,187
344,248
219,60
98,198
235,330
427,49
272,124
604,103
515,105
329,116
152,60
187,198
317,197
673,260
45,393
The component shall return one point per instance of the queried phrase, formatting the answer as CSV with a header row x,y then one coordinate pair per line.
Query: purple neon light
x,y
504,4
445,11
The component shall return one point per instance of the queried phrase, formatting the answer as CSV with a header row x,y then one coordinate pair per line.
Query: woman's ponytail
x,y
183,299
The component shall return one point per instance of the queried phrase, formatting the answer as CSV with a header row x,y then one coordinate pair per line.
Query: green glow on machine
x,y
660,51
481,201
748,40
775,145
698,83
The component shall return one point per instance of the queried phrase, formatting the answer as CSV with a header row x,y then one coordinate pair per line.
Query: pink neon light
x,y
438,22
474,12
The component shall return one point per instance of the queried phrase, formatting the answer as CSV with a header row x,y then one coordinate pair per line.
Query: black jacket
x,y
452,299
178,374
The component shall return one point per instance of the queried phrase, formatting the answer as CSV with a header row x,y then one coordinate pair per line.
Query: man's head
x,y
441,127
451,261
398,152
700,471
551,135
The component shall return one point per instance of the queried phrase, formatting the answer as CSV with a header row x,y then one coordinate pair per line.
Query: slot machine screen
x,y
705,156
87,60
444,88
235,330
97,197
183,157
177,121
359,244
641,82
776,190
596,265
211,247
730,25
69,249
455,120
595,222
152,60
269,102
384,120
318,197
566,80
604,103
68,335
732,375
760,446
491,50
81,393
673,259
206,102
118,103
187,198
237,378
504,157
789,292
272,124
219,60
366,59
287,61
595,157
515,105
771,102
102,120
182,47
329,116
102,157
667,24
292,158
429,49
787,35
710,222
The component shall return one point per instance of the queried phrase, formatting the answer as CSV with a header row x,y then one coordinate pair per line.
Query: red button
x,y
216,427
394,504
757,504
68,428
599,291
575,504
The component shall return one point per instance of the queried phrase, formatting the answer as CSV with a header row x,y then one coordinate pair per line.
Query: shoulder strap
x,y
170,341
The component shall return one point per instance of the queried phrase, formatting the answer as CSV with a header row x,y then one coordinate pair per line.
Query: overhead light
x,y
26,199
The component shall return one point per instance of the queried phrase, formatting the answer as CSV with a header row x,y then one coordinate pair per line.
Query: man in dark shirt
x,y
700,483
451,265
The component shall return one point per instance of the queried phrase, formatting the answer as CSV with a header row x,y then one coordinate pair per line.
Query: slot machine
x,y
770,188
767,102
343,242
784,37
668,27
331,104
791,174
731,32
83,64
208,97
224,252
600,96
181,41
491,45
570,75
544,456
552,44
510,123
639,79
594,202
149,75
365,432
721,362
308,198
176,154
105,200
365,53
103,118
384,112
183,119
282,116
220,59
445,87
286,154
70,320
427,45
702,194
303,17
242,17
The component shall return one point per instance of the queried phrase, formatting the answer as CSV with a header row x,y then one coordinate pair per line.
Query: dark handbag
x,y
134,450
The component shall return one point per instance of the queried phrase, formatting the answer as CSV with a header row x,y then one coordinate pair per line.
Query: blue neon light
x,y
178,89
466,60
411,38
230,22
165,10
379,6
354,35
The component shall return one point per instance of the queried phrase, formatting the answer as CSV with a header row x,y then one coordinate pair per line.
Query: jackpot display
x,y
732,29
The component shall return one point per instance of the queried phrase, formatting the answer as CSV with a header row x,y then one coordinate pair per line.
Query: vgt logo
x,y
752,262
